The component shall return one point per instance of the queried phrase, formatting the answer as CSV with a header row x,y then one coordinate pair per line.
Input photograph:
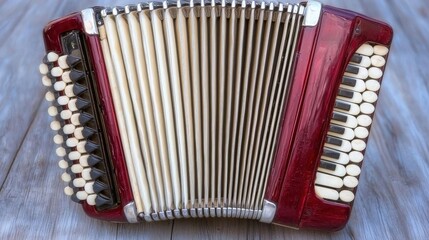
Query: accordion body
x,y
242,109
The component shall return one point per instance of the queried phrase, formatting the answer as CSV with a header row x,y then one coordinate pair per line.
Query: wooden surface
x,y
393,197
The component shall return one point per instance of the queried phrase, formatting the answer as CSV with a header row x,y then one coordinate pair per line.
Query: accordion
x,y
253,110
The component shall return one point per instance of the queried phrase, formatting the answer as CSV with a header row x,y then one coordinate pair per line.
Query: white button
x,y
47,82
367,108
63,164
43,69
356,157
347,196
60,151
52,57
55,125
65,114
56,72
375,73
378,61
49,96
358,145
68,191
91,199
364,120
353,170
52,111
58,139
369,96
361,132
350,182
81,195
372,85
66,177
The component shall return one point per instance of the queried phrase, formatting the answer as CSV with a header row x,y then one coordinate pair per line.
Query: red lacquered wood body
x,y
322,57
52,36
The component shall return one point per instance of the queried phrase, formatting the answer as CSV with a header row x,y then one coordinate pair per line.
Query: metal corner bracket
x,y
312,13
89,21
130,212
268,212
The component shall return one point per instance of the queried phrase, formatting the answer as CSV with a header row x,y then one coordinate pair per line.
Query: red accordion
x,y
240,109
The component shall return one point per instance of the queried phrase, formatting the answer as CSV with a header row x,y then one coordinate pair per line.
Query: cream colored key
x,y
354,98
344,120
348,133
327,180
326,193
346,107
342,159
362,73
339,170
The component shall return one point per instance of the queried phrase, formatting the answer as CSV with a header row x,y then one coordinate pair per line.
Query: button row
x,y
75,127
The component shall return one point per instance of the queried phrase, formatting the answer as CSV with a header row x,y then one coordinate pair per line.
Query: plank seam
x,y
21,143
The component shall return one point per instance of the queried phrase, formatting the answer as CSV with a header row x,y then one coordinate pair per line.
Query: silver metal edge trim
x,y
130,212
268,212
89,21
312,13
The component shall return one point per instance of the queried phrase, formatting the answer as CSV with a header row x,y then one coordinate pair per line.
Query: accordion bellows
x,y
240,109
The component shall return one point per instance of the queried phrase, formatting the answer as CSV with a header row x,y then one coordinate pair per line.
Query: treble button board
x,y
343,152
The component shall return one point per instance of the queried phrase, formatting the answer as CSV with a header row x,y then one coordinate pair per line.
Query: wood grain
x,y
392,198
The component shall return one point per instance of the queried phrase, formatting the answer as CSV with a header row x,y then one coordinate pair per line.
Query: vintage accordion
x,y
254,110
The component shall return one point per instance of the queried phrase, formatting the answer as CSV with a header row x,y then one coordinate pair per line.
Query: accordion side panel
x,y
319,213
52,34
297,200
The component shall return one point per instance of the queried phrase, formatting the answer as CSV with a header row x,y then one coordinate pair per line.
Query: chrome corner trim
x,y
130,212
312,13
89,21
268,212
